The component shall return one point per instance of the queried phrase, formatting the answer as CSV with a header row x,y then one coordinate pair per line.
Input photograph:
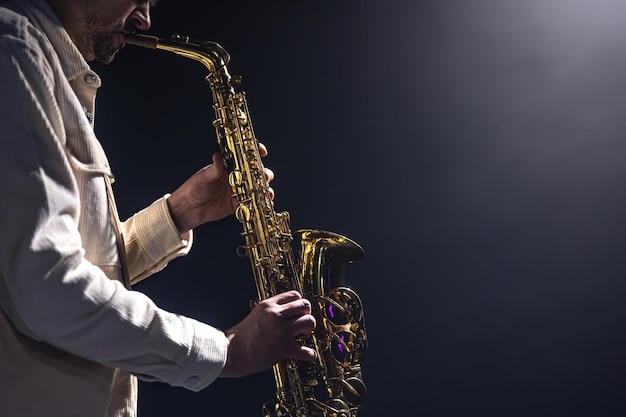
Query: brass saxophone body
x,y
331,386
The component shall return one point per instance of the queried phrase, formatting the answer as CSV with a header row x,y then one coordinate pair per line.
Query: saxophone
x,y
332,385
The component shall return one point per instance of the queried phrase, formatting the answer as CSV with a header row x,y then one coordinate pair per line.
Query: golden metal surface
x,y
332,386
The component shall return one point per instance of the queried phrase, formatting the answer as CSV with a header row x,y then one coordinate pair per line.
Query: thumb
x,y
218,160
214,170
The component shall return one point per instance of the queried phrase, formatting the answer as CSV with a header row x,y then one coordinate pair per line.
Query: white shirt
x,y
70,330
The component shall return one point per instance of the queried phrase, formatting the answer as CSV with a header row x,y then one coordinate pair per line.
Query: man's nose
x,y
140,17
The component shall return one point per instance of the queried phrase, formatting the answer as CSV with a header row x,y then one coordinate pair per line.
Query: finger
x,y
302,326
270,190
295,310
303,353
262,149
269,174
217,159
285,297
216,166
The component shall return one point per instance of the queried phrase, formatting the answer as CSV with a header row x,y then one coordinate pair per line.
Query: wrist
x,y
176,208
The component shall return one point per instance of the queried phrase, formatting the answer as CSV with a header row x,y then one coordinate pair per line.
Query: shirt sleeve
x,y
48,289
152,240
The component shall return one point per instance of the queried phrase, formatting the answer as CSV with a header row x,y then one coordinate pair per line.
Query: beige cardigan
x,y
71,332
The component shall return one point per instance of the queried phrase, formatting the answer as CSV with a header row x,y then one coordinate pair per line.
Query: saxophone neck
x,y
211,54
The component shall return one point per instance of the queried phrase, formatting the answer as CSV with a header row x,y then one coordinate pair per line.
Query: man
x,y
73,335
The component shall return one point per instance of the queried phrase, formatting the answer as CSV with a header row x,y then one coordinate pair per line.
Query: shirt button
x,y
90,79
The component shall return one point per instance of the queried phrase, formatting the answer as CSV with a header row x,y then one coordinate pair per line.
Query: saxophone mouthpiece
x,y
145,41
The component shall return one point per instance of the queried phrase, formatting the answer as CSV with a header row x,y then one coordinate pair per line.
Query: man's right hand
x,y
268,335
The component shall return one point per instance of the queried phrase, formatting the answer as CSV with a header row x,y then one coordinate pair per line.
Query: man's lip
x,y
122,39
125,33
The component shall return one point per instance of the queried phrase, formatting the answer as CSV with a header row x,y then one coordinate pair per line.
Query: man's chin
x,y
107,58
105,51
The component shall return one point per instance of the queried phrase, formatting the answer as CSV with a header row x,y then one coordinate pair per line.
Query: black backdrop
x,y
474,148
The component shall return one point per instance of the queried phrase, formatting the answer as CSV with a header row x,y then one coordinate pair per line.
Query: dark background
x,y
474,148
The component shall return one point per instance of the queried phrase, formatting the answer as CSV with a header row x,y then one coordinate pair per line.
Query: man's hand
x,y
206,196
268,335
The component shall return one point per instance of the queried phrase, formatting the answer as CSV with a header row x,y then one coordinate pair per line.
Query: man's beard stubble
x,y
95,40
103,49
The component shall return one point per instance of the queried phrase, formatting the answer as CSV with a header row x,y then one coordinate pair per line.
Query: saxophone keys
x,y
242,213
235,178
